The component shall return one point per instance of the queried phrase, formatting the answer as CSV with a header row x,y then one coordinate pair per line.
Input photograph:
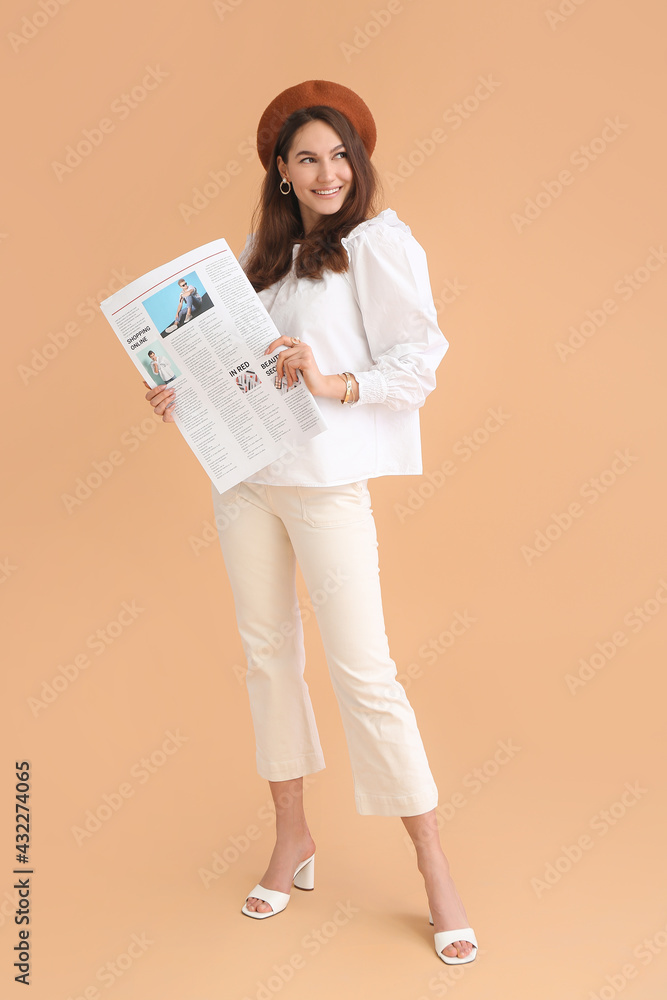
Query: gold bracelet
x,y
347,379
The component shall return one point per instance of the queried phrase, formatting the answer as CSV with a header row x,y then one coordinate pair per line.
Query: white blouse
x,y
378,321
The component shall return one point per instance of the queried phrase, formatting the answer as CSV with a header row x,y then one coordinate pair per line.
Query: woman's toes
x,y
252,903
458,949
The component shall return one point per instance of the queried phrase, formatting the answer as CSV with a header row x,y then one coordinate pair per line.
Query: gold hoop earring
x,y
289,186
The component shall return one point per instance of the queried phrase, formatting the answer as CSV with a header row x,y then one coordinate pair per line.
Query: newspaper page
x,y
198,325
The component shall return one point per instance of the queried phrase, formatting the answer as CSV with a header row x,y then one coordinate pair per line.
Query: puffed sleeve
x,y
389,276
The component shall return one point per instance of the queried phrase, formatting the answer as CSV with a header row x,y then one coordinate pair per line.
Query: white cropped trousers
x,y
330,531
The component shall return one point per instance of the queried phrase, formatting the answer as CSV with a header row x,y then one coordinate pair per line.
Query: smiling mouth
x,y
327,191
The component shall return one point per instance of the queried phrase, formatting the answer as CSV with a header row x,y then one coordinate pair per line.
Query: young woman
x,y
348,288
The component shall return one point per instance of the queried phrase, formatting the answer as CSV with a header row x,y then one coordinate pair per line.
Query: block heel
x,y
304,876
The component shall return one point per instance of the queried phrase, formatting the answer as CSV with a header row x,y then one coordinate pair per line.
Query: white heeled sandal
x,y
443,938
304,878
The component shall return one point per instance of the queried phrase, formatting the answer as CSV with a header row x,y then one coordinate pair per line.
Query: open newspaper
x,y
196,324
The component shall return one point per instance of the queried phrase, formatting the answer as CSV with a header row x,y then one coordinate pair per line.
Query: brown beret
x,y
305,95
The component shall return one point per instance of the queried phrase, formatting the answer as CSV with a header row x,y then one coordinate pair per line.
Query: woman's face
x,y
320,172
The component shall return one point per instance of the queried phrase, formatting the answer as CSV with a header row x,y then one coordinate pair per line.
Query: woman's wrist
x,y
334,387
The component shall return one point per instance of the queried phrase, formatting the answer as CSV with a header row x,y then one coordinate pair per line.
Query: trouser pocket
x,y
334,506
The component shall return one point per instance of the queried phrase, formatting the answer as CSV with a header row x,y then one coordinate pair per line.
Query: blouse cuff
x,y
373,387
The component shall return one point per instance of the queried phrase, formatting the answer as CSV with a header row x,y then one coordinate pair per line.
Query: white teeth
x,y
327,191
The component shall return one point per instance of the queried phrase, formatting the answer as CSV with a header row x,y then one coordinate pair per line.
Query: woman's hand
x,y
298,357
162,399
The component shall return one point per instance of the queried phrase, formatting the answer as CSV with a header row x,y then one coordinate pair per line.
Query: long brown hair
x,y
277,220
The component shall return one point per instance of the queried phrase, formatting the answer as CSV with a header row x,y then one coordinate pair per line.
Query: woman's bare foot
x,y
293,841
444,901
446,907
286,858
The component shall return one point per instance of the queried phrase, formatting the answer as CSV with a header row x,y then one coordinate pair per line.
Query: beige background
x,y
509,293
